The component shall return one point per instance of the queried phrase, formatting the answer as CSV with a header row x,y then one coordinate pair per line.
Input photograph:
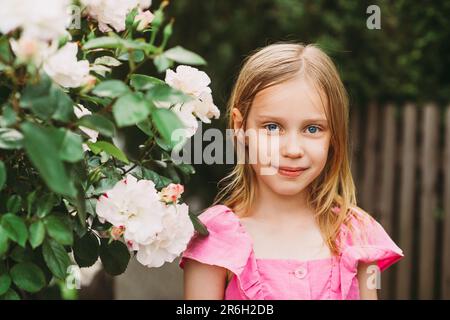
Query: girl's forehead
x,y
295,98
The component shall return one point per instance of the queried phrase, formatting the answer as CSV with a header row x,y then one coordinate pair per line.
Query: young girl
x,y
295,233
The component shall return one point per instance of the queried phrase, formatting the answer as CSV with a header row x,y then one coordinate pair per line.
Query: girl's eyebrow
x,y
269,117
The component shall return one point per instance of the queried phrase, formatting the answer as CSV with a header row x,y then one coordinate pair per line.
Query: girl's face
x,y
287,127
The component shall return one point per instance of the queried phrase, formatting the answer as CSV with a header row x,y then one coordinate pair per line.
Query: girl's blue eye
x,y
312,129
271,126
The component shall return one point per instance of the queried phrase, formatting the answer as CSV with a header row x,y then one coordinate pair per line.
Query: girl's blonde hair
x,y
334,187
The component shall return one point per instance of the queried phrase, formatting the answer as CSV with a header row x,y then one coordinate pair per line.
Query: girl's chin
x,y
288,191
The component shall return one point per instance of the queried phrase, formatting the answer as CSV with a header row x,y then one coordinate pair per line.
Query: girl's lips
x,y
291,168
290,172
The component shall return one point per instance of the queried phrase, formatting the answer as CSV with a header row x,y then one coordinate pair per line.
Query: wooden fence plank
x,y
446,236
385,203
429,170
369,171
407,190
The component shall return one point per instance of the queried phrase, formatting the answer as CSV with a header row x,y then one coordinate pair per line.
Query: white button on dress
x,y
300,272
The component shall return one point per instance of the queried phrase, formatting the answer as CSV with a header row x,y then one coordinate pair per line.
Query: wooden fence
x,y
401,166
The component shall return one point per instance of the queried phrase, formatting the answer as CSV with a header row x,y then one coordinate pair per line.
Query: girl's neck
x,y
272,206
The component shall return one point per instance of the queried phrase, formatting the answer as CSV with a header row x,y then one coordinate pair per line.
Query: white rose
x,y
42,20
144,18
194,83
185,114
189,80
169,243
144,4
32,50
204,108
134,205
64,68
112,13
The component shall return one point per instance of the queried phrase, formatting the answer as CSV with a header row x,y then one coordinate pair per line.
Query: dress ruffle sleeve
x,y
368,242
227,245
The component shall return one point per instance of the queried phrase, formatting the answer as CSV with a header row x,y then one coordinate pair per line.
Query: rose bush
x,y
72,190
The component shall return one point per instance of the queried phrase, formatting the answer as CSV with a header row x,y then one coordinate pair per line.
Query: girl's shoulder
x,y
220,221
226,243
359,226
217,214
363,238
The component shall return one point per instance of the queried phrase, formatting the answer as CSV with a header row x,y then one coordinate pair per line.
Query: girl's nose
x,y
292,146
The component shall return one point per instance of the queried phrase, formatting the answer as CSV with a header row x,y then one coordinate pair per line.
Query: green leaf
x,y
143,82
69,145
183,56
103,42
130,109
47,100
186,168
64,105
109,148
2,174
10,139
14,203
86,250
10,295
9,116
31,197
15,228
44,154
36,97
3,242
164,92
115,42
137,44
160,181
162,63
59,230
28,276
20,254
166,121
131,18
37,233
103,102
111,89
5,283
100,69
44,205
98,123
114,257
163,145
108,61
56,258
198,225
138,56
80,205
146,127
5,51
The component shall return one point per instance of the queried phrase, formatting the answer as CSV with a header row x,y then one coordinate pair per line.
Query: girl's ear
x,y
238,126
237,119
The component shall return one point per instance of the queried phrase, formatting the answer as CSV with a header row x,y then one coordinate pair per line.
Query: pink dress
x,y
230,246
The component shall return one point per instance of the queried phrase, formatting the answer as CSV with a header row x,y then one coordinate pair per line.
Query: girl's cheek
x,y
263,148
318,150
